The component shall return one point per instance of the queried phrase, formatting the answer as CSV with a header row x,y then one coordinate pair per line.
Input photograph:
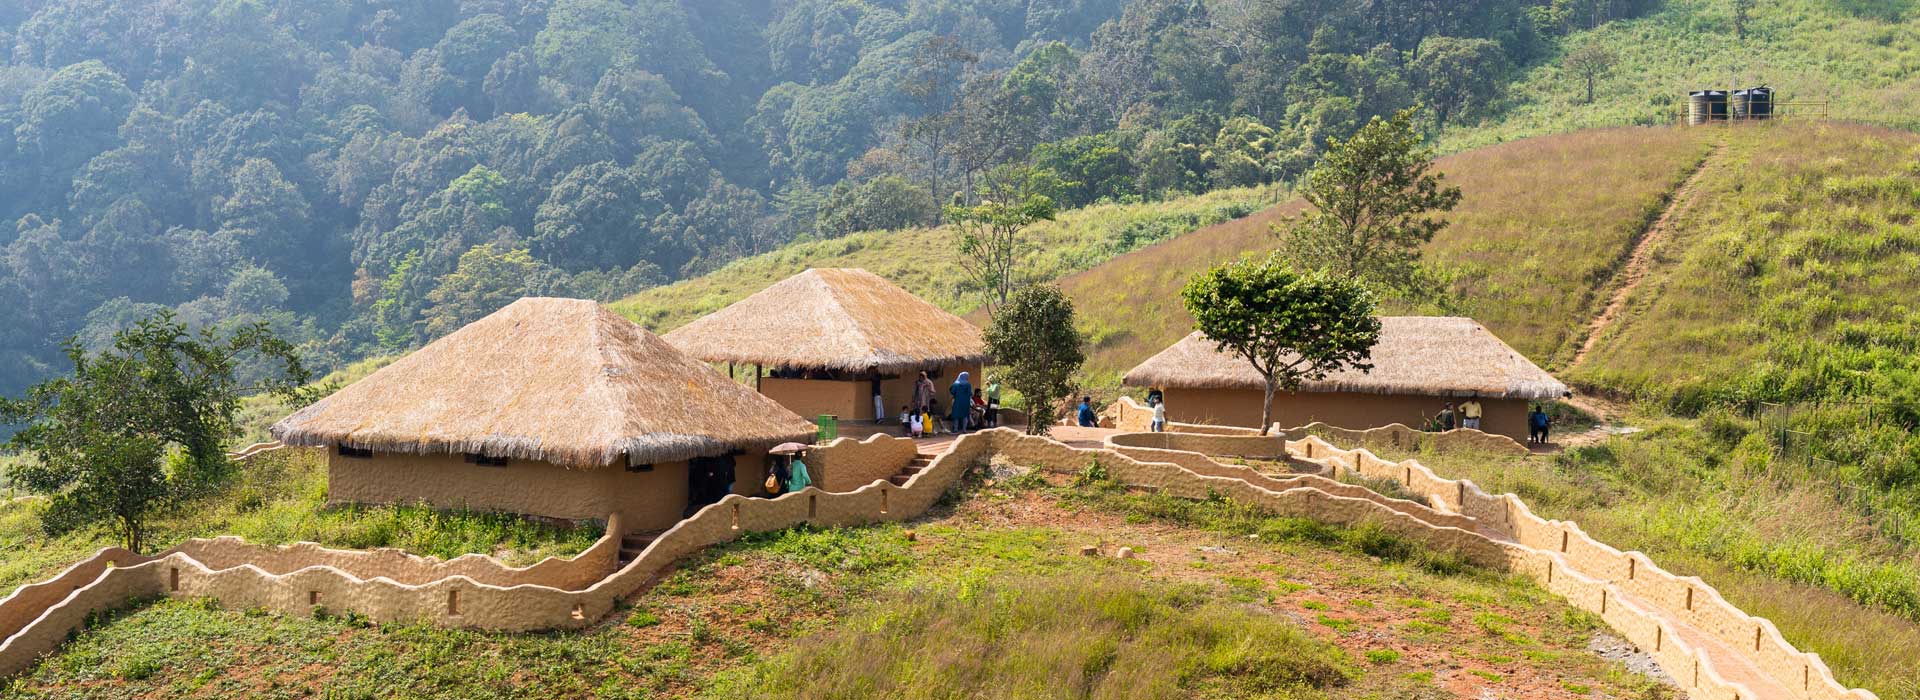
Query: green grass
x,y
976,605
1858,55
280,498
923,261
1090,637
1770,537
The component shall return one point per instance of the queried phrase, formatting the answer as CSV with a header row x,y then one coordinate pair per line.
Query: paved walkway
x,y
1729,662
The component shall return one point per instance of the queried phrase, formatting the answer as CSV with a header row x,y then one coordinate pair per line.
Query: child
x,y
916,424
930,419
1159,424
906,420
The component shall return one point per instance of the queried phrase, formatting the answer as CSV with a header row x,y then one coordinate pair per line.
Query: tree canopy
x,y
1374,200
154,150
1290,326
1036,350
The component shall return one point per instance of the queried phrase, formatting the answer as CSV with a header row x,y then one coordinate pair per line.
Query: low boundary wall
x,y
1398,436
847,464
1634,596
1132,417
1627,589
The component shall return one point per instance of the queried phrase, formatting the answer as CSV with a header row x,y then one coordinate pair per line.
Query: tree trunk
x,y
1266,410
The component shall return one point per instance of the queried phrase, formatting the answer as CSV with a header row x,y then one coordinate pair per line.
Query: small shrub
x,y
643,618
1382,656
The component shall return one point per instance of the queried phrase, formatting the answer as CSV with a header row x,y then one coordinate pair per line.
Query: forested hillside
x,y
365,174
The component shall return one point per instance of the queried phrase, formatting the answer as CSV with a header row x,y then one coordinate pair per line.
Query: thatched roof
x,y
839,319
1418,355
553,380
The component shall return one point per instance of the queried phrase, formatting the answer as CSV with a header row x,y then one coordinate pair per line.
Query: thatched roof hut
x,y
1416,355
835,319
554,380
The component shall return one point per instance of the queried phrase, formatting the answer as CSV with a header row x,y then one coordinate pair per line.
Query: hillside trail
x,y
1640,259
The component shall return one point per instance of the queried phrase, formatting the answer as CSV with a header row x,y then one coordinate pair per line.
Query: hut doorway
x,y
709,479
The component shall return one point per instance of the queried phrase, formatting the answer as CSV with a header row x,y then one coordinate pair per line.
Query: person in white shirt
x,y
1159,424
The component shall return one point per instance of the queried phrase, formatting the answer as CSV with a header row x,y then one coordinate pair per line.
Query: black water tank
x,y
1759,103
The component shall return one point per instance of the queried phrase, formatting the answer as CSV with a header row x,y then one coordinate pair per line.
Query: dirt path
x,y
1640,259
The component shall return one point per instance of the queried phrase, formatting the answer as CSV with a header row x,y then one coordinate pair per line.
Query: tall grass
x,y
924,261
1049,637
1857,55
1540,228
1702,497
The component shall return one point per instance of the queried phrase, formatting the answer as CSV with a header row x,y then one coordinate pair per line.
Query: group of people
x,y
972,408
1468,416
1470,411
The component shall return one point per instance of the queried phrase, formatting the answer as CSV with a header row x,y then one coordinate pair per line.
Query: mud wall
x,y
847,464
1627,589
650,497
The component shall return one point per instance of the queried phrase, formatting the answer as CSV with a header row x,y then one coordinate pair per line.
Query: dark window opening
x,y
355,452
485,461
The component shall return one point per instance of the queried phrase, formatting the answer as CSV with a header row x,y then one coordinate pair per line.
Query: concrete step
x,y
900,479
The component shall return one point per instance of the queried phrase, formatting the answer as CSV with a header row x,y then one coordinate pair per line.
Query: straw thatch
x,y
1416,355
553,380
836,319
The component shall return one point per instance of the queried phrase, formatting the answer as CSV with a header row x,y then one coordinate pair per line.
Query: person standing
x,y
1446,417
962,392
1159,424
923,393
993,402
1470,413
1087,417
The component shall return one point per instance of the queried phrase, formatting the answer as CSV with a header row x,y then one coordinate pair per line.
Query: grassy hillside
x,y
922,260
989,600
1773,540
1860,56
1542,225
1801,245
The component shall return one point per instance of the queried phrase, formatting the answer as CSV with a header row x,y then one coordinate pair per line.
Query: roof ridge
x,y
834,293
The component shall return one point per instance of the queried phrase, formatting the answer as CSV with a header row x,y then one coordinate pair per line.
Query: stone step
x,y
900,479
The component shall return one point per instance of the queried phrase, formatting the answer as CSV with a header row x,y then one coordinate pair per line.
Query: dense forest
x,y
363,175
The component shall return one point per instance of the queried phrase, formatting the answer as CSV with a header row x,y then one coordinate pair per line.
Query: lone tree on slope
x,y
1590,63
1291,326
100,438
1373,199
1037,349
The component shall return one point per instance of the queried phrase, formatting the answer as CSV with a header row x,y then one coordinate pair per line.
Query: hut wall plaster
x,y
813,397
1132,417
852,400
1241,407
649,500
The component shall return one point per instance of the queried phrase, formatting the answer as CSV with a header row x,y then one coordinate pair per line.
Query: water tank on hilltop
x,y
1753,103
1705,106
